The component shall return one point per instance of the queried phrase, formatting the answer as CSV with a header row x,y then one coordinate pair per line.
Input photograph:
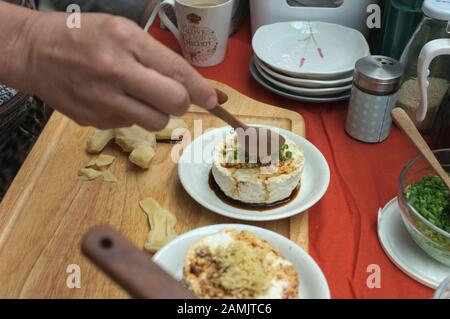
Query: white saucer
x,y
301,81
313,284
329,50
195,165
316,92
291,95
404,252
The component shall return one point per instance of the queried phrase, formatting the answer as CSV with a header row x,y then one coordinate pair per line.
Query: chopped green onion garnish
x,y
431,198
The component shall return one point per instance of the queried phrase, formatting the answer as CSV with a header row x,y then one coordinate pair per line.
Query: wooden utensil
x,y
259,143
406,124
130,267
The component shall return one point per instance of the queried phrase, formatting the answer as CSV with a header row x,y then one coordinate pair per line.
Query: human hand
x,y
109,73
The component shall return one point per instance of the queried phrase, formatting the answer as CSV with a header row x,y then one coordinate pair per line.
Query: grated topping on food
x,y
240,265
241,269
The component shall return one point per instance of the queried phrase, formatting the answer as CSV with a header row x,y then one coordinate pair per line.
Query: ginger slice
x,y
129,138
89,174
93,169
173,131
102,160
109,177
99,140
162,223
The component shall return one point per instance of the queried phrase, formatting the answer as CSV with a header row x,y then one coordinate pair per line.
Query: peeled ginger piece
x,y
129,138
162,225
140,142
173,131
142,155
99,140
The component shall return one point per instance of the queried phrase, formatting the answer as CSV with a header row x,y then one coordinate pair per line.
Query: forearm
x,y
15,25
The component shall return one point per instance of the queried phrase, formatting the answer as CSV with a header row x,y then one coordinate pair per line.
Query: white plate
x,y
404,252
300,81
313,284
196,162
283,45
290,95
320,92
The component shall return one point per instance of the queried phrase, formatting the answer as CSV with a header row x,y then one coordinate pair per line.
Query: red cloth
x,y
343,225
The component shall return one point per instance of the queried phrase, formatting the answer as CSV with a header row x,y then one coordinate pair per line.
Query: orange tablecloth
x,y
343,225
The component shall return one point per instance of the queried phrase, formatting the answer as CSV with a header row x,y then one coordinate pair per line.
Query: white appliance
x,y
351,13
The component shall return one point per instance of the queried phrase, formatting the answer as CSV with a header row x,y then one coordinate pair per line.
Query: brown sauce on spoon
x,y
241,205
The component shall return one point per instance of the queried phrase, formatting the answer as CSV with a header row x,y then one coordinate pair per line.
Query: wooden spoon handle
x,y
406,124
227,117
130,267
223,114
222,97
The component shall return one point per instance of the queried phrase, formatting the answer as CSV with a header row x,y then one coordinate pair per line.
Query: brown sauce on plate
x,y
255,207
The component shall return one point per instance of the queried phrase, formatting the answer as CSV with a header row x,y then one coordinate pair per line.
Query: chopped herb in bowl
x,y
425,206
431,198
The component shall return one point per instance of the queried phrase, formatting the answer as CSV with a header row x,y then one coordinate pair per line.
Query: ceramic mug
x,y
203,28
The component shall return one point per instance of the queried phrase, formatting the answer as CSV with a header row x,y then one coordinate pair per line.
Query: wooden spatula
x,y
406,124
130,267
258,142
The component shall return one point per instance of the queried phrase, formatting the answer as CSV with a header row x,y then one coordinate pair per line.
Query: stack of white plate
x,y
307,61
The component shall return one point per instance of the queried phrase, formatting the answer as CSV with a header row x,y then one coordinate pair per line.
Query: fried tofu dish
x,y
239,265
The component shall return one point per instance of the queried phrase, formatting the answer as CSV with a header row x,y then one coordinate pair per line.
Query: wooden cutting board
x,y
48,209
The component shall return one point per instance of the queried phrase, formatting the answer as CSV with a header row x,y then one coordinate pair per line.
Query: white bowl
x,y
313,284
283,45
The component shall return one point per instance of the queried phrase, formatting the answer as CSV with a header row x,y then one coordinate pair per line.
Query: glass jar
x,y
434,26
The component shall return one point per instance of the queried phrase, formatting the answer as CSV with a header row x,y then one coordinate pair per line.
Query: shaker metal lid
x,y
437,9
378,74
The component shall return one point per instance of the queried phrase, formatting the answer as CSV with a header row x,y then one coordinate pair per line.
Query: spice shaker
x,y
376,82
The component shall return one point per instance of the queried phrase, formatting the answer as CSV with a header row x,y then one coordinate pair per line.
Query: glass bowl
x,y
433,240
443,291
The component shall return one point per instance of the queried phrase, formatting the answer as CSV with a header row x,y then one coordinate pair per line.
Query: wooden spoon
x,y
259,142
406,124
130,267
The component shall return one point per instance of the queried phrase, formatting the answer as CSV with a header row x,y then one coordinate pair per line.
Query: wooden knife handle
x,y
130,267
